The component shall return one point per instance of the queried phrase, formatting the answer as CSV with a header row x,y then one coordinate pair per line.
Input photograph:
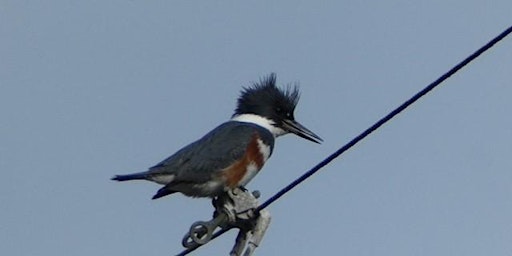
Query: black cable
x,y
372,128
384,119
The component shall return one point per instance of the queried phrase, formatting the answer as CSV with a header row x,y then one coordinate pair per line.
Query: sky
x,y
89,89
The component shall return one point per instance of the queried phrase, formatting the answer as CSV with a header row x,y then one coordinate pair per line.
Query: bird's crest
x,y
265,92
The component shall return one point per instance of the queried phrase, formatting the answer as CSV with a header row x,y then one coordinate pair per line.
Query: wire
x,y
372,128
384,120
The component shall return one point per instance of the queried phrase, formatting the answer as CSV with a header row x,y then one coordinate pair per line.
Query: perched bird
x,y
230,155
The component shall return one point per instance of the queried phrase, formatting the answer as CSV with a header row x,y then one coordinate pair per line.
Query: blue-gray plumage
x,y
204,160
230,155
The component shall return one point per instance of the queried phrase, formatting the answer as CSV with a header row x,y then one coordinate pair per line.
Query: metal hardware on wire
x,y
233,209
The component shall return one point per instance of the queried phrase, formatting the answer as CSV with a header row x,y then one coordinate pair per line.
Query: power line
x,y
384,119
372,128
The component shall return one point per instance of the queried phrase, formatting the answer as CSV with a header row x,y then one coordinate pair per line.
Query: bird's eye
x,y
279,110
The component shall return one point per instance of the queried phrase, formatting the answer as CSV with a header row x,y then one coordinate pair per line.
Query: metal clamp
x,y
233,209
248,240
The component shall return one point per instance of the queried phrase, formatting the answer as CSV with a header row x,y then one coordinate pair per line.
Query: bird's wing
x,y
197,162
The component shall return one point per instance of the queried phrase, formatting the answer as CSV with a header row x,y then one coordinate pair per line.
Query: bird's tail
x,y
133,176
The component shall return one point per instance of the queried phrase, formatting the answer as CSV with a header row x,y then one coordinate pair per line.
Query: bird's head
x,y
273,107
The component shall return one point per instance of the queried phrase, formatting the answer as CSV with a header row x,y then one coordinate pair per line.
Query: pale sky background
x,y
89,89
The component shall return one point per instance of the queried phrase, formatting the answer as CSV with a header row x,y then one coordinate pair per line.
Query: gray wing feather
x,y
218,149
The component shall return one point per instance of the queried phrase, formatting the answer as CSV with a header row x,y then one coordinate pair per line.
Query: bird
x,y
230,155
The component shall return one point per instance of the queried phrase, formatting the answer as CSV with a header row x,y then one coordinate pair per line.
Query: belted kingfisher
x,y
230,155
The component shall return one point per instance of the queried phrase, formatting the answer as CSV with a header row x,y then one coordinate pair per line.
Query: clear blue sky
x,y
89,89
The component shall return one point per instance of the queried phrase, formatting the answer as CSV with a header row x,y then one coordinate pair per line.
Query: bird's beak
x,y
298,129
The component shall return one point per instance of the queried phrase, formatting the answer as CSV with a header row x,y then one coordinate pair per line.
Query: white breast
x,y
253,168
264,150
